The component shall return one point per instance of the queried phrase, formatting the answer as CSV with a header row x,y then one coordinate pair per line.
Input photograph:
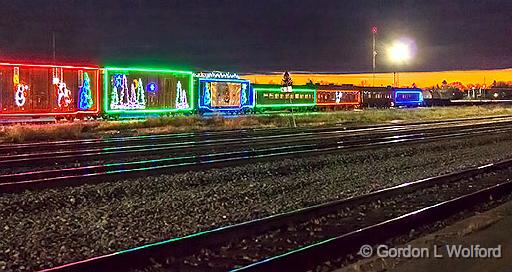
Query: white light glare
x,y
399,52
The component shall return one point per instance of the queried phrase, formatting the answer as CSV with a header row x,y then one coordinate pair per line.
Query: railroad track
x,y
165,146
302,239
229,154
74,145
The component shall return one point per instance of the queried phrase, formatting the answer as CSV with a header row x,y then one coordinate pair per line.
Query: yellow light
x,y
399,52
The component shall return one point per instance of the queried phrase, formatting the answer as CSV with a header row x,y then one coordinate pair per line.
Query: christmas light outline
x,y
359,98
108,70
93,69
288,105
251,98
408,102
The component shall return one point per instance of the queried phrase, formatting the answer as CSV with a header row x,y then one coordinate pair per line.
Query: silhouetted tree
x,y
287,80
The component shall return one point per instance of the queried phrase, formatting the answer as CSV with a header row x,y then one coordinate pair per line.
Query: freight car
x,y
385,97
498,93
142,92
224,92
338,97
441,97
271,97
59,91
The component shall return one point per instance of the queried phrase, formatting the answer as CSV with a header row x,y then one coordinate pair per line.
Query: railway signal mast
x,y
286,87
374,53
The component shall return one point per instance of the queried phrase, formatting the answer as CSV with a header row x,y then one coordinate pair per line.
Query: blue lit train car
x,y
224,92
385,97
407,97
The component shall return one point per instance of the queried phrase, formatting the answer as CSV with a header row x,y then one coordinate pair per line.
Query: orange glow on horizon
x,y
406,79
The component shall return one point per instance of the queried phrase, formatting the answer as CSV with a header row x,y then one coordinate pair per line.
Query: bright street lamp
x,y
400,52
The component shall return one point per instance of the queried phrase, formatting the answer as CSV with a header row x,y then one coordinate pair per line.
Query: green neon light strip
x,y
285,105
149,70
279,90
106,85
288,105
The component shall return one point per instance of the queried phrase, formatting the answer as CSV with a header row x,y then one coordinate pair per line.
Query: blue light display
x,y
205,94
152,87
118,80
408,97
85,101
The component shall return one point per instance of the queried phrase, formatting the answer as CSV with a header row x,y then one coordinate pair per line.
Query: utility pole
x,y
374,53
53,45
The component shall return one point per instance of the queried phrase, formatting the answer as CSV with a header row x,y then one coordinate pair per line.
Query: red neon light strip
x,y
337,104
318,92
51,66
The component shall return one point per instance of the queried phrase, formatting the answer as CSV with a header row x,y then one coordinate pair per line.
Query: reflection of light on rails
x,y
97,173
481,101
305,254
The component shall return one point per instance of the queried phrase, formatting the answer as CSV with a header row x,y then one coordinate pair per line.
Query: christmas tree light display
x,y
117,82
85,101
207,95
124,98
245,97
181,97
141,97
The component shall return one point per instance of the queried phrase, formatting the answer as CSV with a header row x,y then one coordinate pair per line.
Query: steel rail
x,y
198,136
310,256
42,158
306,257
102,173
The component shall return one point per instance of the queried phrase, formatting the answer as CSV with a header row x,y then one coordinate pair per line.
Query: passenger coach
x,y
271,97
338,97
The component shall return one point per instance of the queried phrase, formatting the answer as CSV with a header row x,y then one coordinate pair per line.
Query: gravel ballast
x,y
47,228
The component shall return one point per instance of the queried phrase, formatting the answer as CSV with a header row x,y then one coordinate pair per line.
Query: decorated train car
x,y
407,97
224,92
385,97
142,92
338,97
273,97
59,91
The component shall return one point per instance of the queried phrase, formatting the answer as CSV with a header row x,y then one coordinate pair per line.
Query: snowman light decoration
x,y
20,97
63,95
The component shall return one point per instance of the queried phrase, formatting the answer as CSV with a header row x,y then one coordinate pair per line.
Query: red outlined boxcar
x,y
49,90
